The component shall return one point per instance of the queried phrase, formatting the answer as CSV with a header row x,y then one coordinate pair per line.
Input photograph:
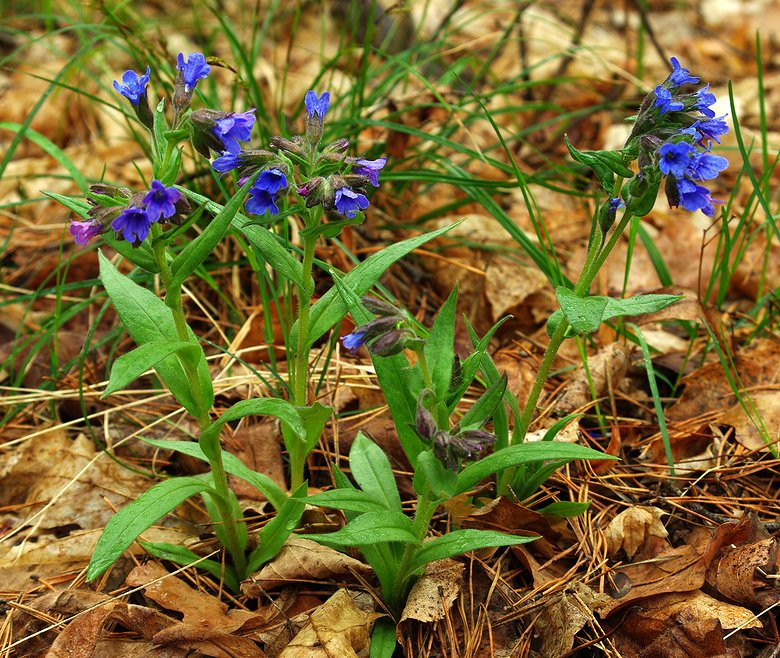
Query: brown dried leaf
x,y
606,370
764,405
631,529
700,606
303,559
433,593
198,608
258,445
337,629
739,572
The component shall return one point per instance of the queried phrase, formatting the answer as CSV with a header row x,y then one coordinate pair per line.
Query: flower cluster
x,y
330,178
453,446
385,334
673,136
130,215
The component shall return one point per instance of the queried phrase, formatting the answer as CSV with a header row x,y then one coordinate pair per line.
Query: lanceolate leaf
x,y
148,320
132,365
128,523
371,528
440,347
233,465
523,454
458,542
185,557
258,407
371,470
348,500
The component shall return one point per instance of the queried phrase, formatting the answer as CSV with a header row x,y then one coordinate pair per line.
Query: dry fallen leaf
x,y
605,372
337,629
434,593
631,529
303,559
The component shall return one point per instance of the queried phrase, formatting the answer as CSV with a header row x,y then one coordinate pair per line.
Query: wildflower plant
x,y
149,228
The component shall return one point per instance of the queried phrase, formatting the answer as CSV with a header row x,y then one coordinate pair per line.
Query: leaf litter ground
x,y
658,566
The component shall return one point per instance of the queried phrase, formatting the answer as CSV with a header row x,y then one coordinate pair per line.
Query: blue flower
x,y
348,202
83,232
675,158
271,180
354,340
192,70
226,162
161,201
370,169
261,202
235,127
704,100
706,166
134,224
695,197
317,107
665,102
679,75
709,129
133,86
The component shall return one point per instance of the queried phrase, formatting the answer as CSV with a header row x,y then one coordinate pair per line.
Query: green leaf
x,y
313,418
330,308
585,314
371,470
199,249
431,473
129,522
485,406
383,641
371,528
135,363
233,465
458,542
159,127
564,508
148,320
266,243
242,535
186,558
275,407
348,500
278,529
523,453
440,347
605,164
641,192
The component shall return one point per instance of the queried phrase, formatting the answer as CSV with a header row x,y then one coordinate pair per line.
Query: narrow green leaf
x,y
275,407
135,363
242,534
485,406
313,418
189,258
524,453
440,347
129,522
233,465
459,542
371,528
348,500
383,641
330,308
278,529
372,471
148,320
185,557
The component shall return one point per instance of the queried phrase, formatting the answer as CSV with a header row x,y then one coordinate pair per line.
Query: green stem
x,y
300,373
173,301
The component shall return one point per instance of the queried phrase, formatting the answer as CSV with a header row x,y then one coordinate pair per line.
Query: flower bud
x,y
289,145
379,307
390,343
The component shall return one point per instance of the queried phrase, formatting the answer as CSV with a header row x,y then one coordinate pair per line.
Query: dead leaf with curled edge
x,y
631,529
433,594
336,629
303,559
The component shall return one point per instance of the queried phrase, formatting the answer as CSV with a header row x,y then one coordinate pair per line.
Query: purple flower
x,y
675,158
704,100
706,166
348,202
160,201
134,224
270,180
370,169
133,86
226,162
235,127
695,197
665,102
192,70
615,202
317,106
709,129
83,232
261,202
354,340
679,75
